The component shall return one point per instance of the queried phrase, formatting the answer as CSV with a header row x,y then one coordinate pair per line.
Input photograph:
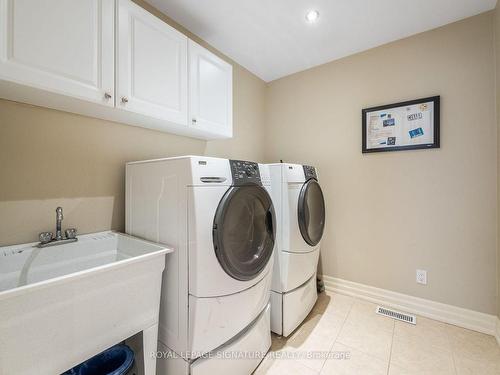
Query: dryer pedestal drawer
x,y
295,269
290,309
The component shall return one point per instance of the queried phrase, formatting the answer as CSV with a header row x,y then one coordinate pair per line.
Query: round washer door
x,y
244,231
311,212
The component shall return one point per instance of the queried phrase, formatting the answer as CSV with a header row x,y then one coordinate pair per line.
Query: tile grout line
x,y
369,353
452,351
357,299
338,334
392,338
392,343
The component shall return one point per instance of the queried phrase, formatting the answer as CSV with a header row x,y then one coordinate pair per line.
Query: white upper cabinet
x,y
113,60
210,92
60,46
151,65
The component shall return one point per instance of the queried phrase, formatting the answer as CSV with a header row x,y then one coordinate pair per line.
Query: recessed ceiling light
x,y
312,16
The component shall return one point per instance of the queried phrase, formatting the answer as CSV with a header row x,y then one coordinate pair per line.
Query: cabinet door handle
x,y
124,99
194,121
107,95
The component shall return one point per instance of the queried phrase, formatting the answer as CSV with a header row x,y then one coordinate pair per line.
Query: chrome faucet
x,y
48,239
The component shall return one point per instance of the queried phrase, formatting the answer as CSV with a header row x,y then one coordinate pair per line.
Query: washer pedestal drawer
x,y
241,356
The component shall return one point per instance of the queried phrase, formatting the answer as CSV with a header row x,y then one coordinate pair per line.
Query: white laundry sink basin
x,y
61,305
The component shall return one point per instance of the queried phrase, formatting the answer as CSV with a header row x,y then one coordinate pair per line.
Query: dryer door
x,y
311,212
244,231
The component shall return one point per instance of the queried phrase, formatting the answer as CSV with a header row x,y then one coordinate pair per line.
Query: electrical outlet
x,y
422,277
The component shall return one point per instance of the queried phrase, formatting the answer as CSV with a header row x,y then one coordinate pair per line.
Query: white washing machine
x,y
218,216
300,214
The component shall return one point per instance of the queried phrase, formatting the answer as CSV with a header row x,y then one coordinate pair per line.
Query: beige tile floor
x,y
343,335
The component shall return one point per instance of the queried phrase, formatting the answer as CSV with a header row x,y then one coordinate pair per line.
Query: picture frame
x,y
409,125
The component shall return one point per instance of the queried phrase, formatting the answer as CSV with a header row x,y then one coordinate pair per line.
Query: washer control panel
x,y
245,172
310,172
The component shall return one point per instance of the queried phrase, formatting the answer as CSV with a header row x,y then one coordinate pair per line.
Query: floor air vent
x,y
396,315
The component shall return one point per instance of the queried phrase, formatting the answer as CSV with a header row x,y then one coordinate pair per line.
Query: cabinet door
x,y
152,65
210,92
62,46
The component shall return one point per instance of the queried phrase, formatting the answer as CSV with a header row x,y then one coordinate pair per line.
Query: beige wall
x,y
497,82
391,213
50,158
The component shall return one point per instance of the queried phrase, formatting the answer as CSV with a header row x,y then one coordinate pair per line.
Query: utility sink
x,y
61,305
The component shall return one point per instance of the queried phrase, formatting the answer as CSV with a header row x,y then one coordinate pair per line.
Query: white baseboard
x,y
458,316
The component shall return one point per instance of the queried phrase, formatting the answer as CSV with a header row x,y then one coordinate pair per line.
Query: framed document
x,y
401,126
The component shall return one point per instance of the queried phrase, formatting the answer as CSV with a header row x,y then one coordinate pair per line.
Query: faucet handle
x,y
70,233
59,213
45,237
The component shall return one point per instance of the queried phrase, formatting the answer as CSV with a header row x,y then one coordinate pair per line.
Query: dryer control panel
x,y
245,172
310,172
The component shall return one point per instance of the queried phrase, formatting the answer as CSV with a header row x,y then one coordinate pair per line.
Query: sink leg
x,y
144,349
149,345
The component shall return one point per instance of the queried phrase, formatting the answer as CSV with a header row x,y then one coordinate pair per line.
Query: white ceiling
x,y
272,39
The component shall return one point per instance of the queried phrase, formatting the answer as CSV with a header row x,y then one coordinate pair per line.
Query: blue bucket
x,y
113,361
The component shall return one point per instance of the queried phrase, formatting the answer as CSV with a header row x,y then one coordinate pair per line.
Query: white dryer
x,y
300,214
218,216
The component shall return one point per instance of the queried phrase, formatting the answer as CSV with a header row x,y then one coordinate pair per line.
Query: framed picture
x,y
401,126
